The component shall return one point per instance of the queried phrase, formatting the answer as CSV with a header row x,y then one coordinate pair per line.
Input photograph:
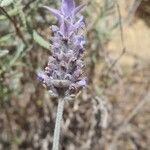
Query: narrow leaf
x,y
55,12
17,55
11,13
3,53
40,40
6,2
79,8
5,38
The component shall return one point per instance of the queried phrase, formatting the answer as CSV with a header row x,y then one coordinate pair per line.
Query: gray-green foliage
x,y
107,19
5,2
40,40
18,4
19,20
3,53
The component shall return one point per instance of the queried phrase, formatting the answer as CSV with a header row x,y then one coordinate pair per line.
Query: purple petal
x,y
41,76
68,7
77,73
55,12
78,9
82,83
64,28
80,23
80,40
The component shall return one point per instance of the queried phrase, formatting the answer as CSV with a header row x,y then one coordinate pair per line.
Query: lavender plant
x,y
63,75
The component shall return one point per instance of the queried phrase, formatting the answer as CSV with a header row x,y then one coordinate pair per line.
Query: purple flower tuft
x,y
68,7
63,75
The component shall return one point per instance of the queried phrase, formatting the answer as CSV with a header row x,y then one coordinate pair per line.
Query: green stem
x,y
58,124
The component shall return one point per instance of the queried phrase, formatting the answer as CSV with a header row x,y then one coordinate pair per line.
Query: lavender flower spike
x,y
63,75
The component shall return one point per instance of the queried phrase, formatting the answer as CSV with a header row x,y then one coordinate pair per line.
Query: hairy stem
x,y
58,124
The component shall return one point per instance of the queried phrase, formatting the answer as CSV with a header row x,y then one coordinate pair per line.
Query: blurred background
x,y
112,113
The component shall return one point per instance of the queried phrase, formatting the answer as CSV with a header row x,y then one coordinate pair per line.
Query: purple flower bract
x,y
63,75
